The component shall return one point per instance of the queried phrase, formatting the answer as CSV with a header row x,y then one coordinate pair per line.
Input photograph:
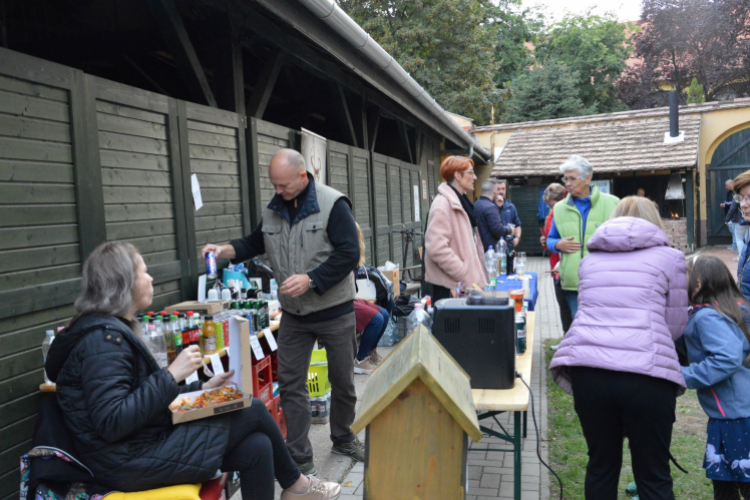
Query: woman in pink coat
x,y
618,359
453,250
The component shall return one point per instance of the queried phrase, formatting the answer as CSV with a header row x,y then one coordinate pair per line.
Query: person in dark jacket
x,y
489,224
737,225
741,186
115,399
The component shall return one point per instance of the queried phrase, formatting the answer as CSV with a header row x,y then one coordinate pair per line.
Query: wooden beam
x,y
230,77
375,132
145,75
420,146
405,139
363,113
317,31
345,118
310,60
169,22
266,81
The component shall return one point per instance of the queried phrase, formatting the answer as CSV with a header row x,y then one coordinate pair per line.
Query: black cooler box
x,y
480,334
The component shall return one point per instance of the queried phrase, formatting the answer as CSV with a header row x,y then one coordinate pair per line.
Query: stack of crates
x,y
319,387
266,382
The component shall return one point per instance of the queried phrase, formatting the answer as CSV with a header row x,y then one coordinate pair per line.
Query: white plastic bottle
x,y
502,265
45,350
418,317
157,345
274,290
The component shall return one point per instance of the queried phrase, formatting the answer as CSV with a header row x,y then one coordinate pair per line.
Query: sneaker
x,y
364,367
319,490
374,357
731,247
555,347
354,449
307,468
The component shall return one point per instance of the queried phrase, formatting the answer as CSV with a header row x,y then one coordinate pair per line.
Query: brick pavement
x,y
491,473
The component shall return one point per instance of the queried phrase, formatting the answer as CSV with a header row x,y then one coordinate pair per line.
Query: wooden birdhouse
x,y
419,415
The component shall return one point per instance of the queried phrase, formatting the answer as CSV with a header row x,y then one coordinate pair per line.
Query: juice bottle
x,y
169,339
209,335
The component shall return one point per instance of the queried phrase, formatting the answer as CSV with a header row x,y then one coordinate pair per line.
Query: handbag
x,y
366,288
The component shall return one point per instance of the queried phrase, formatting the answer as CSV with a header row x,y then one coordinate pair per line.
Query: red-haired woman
x,y
453,250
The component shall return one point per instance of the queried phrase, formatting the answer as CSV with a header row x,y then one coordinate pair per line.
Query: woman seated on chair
x,y
115,399
372,321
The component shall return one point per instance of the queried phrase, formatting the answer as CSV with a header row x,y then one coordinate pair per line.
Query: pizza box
x,y
240,361
209,307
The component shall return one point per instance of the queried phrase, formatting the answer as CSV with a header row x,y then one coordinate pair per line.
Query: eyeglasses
x,y
571,179
740,199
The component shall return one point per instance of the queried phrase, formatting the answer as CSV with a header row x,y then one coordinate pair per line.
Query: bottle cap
x,y
174,318
190,314
207,317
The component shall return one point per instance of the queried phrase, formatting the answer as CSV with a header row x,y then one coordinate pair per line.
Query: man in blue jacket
x,y
508,212
488,218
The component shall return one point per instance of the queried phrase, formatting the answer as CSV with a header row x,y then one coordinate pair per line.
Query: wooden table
x,y
492,402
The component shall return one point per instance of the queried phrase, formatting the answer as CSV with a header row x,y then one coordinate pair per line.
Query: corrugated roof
x,y
613,145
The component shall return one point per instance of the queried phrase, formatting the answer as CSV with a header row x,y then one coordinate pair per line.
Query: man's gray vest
x,y
303,247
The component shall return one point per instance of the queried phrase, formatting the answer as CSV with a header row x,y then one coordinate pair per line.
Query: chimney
x,y
674,135
674,114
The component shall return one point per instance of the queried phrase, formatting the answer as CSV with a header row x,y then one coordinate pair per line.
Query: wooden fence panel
x,y
266,140
363,205
382,207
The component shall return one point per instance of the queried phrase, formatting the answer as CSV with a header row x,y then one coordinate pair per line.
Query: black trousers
x,y
258,452
612,405
729,490
566,318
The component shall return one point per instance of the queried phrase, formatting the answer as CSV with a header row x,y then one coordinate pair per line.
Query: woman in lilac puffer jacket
x,y
618,359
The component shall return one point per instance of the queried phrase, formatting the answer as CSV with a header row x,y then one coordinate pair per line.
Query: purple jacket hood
x,y
626,234
632,305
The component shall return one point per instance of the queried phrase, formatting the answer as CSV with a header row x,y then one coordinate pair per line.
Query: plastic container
x,y
156,343
418,317
318,384
502,261
45,349
490,263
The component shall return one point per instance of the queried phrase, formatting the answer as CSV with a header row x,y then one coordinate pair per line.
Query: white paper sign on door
x,y
196,188
417,218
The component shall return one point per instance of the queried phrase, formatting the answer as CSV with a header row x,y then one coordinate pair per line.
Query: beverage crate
x,y
320,409
263,380
280,418
317,375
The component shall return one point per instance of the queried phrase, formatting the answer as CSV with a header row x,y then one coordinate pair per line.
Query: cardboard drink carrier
x,y
212,307
241,362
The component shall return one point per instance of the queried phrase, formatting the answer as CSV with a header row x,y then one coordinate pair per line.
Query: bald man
x,y
310,237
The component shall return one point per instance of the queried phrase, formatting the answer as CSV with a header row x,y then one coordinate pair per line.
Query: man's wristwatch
x,y
312,283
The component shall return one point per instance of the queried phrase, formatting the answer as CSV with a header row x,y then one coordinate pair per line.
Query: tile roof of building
x,y
610,145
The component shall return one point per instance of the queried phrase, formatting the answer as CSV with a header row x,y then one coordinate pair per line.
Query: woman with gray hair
x,y
575,220
115,399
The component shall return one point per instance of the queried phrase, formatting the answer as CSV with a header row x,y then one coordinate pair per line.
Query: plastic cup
x,y
517,296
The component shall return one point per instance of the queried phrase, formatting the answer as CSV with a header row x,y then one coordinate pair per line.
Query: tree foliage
x,y
596,48
456,49
546,92
695,93
684,39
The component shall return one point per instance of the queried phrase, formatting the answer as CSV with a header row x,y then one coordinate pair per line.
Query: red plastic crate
x,y
263,380
280,418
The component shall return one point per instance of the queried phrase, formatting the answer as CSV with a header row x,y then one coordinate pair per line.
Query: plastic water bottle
x,y
45,350
274,289
489,262
157,345
418,317
502,262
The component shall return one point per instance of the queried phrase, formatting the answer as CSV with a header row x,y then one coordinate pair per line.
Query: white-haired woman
x,y
115,399
575,220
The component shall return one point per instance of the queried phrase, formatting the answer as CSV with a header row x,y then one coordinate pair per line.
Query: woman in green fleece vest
x,y
576,219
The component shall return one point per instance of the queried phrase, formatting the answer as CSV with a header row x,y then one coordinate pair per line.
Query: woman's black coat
x,y
115,401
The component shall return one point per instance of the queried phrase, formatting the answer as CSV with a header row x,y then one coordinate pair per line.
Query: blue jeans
x,y
740,234
572,298
371,336
732,226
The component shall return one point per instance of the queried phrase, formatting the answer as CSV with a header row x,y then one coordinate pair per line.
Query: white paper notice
x,y
268,335
196,188
257,349
417,218
216,363
193,377
202,288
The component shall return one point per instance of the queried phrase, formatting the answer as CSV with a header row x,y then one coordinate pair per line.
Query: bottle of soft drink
x,y
274,290
187,332
176,333
418,317
500,250
219,331
48,339
169,340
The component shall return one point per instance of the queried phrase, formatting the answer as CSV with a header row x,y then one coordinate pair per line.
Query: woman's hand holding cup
x,y
187,362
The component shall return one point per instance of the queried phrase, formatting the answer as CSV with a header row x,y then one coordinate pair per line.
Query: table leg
x,y
517,455
525,423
